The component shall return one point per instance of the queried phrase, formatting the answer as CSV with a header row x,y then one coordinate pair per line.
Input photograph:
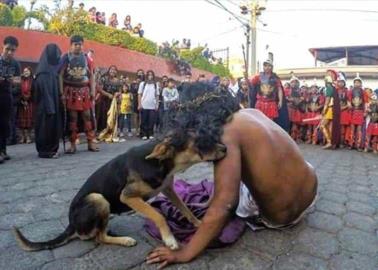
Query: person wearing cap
x,y
345,105
267,92
330,123
372,129
356,98
294,100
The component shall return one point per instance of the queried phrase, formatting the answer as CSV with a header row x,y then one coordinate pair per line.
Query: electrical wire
x,y
221,34
241,20
321,9
233,3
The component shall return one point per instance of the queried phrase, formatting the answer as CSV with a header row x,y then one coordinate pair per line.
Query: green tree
x,y
18,16
194,56
6,18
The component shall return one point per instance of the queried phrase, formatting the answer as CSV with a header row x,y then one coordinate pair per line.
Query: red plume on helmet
x,y
332,73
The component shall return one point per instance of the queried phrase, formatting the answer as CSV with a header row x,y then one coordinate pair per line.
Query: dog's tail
x,y
60,240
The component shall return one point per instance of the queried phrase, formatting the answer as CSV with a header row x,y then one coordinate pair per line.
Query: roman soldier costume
x,y
356,99
345,114
331,112
372,130
76,89
295,101
314,107
265,96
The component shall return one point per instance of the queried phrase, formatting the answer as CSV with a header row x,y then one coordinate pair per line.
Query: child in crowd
x,y
170,97
126,110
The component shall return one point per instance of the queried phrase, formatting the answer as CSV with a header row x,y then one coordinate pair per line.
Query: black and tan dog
x,y
125,183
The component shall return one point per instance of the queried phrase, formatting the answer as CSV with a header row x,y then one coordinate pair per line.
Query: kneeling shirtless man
x,y
263,167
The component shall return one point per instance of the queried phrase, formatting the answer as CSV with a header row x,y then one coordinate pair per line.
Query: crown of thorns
x,y
197,102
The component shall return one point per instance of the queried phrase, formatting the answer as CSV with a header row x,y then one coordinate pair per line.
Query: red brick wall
x,y
32,44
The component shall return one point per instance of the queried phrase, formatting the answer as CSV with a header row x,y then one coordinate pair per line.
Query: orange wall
x,y
32,44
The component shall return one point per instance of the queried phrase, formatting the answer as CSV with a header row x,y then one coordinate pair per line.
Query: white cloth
x,y
149,95
248,208
234,88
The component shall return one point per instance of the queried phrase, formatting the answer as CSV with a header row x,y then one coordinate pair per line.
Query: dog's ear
x,y
161,151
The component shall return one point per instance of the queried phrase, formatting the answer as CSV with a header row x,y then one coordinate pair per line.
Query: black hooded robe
x,y
48,124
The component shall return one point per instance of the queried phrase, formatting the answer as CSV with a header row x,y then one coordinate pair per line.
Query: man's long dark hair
x,y
203,109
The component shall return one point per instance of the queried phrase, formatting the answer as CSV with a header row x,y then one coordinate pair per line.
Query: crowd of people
x,y
66,95
331,115
109,106
99,17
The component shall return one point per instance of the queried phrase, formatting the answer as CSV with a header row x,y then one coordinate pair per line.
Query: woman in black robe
x,y
48,124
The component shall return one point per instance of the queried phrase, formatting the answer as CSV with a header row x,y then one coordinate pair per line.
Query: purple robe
x,y
193,196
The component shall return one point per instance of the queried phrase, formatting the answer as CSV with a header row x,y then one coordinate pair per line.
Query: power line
x,y
233,3
221,34
239,18
242,20
322,10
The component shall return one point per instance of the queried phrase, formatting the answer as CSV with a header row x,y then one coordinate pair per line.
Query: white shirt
x,y
169,96
149,95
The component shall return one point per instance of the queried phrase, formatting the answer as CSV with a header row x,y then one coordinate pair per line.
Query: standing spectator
x,y
25,110
225,85
148,97
234,86
170,98
48,126
109,86
92,14
10,72
243,94
81,6
113,21
159,116
16,95
134,88
126,110
127,23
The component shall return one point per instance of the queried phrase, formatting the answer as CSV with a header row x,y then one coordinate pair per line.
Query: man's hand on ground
x,y
164,256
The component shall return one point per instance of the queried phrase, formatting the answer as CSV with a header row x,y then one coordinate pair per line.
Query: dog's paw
x,y
128,242
171,242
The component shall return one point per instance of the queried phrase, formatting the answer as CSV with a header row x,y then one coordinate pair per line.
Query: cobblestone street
x,y
341,232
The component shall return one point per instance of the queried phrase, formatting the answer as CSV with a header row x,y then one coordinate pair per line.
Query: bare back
x,y
282,183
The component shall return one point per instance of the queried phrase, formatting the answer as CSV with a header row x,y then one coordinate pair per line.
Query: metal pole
x,y
228,57
248,42
254,6
32,3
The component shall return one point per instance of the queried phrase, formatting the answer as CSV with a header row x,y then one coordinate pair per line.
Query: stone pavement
x,y
340,233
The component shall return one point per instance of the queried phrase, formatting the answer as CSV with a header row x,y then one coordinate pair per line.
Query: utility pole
x,y
255,10
248,43
32,3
